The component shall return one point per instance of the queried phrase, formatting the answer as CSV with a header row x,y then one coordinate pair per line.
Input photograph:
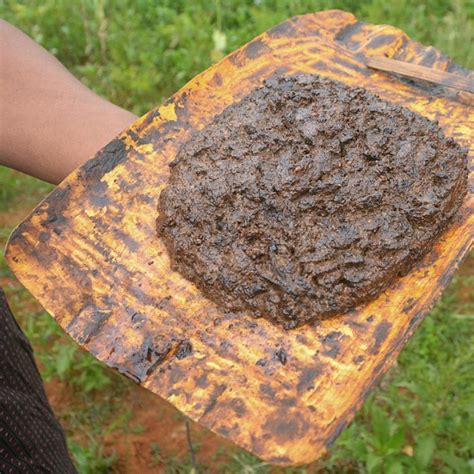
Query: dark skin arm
x,y
50,123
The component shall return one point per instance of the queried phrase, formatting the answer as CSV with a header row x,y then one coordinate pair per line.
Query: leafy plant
x,y
90,458
245,463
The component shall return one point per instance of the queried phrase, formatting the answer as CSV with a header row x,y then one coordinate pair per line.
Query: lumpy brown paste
x,y
308,198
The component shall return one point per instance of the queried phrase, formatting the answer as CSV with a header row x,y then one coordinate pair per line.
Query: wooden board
x,y
90,255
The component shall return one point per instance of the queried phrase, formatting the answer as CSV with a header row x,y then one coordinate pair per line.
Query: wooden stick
x,y
190,446
415,71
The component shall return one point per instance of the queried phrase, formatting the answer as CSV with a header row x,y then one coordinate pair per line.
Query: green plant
x,y
244,463
175,465
16,188
422,418
90,458
156,457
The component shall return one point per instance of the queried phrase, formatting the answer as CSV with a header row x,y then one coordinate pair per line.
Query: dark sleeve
x,y
31,439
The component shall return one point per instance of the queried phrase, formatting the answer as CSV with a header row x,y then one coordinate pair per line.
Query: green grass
x,y
90,458
138,52
16,188
426,405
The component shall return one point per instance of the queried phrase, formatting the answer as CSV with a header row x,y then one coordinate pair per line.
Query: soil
x,y
308,198
16,214
157,433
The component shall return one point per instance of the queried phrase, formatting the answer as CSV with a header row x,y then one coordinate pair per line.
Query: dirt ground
x,y
163,425
154,422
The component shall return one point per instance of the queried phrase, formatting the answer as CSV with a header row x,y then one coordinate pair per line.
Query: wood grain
x,y
90,254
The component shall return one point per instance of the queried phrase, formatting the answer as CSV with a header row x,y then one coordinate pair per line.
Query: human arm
x,y
50,122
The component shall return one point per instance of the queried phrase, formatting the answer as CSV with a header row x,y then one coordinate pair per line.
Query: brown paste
x,y
308,198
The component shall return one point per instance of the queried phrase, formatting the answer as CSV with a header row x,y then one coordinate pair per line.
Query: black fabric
x,y
31,439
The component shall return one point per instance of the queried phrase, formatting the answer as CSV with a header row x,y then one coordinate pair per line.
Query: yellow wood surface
x,y
89,253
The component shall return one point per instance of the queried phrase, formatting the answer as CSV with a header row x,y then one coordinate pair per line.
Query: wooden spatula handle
x,y
421,72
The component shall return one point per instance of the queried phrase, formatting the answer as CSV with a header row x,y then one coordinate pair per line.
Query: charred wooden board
x,y
90,254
